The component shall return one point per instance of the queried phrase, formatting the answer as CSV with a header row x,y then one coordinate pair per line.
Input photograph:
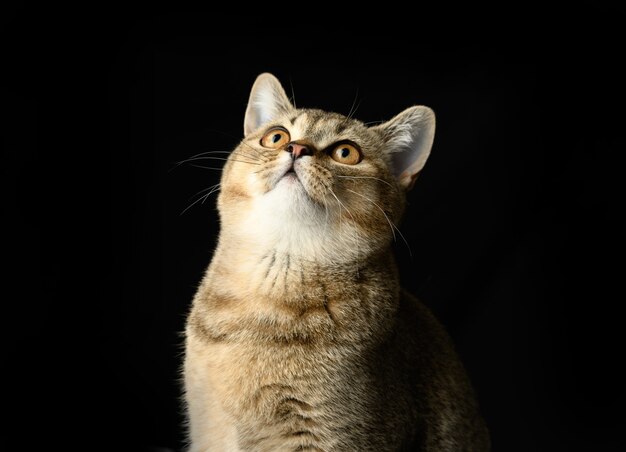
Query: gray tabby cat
x,y
300,337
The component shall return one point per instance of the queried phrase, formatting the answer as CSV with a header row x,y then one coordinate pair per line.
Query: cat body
x,y
300,337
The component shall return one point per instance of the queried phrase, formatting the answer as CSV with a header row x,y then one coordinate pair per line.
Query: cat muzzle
x,y
298,150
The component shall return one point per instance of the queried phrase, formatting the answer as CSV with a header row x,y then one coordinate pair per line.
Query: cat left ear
x,y
268,100
409,137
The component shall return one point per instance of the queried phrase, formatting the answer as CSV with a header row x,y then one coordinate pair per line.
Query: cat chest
x,y
284,392
262,379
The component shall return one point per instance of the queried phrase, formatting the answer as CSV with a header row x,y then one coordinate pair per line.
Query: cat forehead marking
x,y
321,128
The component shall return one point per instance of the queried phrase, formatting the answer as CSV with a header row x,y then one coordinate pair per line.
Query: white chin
x,y
289,203
290,180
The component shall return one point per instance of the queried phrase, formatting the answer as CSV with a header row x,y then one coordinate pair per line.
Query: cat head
x,y
319,185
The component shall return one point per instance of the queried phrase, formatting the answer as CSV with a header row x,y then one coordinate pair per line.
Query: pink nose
x,y
298,150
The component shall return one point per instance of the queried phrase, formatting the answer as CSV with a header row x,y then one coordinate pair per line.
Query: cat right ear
x,y
409,137
268,101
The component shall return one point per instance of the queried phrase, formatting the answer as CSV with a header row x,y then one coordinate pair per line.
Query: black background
x,y
515,226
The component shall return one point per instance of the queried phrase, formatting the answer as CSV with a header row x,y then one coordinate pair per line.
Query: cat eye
x,y
346,153
275,138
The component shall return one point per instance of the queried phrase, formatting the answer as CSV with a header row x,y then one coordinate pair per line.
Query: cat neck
x,y
276,298
253,269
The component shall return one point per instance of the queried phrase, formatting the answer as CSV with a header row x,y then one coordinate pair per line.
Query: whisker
x,y
206,155
265,168
327,214
369,123
207,167
259,153
293,94
255,152
354,106
215,188
259,156
241,142
356,238
236,151
367,177
238,139
324,202
379,208
205,189
203,198
391,225
221,158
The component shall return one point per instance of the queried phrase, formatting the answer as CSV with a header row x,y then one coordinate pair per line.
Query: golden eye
x,y
275,138
346,153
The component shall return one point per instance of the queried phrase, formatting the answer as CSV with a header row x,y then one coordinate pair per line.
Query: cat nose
x,y
298,150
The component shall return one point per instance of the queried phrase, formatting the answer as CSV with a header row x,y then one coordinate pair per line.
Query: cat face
x,y
319,185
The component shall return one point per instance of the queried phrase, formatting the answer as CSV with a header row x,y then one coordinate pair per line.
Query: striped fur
x,y
300,337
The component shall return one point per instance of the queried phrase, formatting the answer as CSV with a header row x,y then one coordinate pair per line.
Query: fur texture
x,y
299,337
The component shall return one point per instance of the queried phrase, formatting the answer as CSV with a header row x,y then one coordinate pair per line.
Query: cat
x,y
299,337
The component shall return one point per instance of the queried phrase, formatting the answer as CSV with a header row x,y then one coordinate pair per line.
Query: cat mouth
x,y
289,176
290,173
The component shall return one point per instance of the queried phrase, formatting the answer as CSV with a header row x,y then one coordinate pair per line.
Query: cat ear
x,y
409,137
267,101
